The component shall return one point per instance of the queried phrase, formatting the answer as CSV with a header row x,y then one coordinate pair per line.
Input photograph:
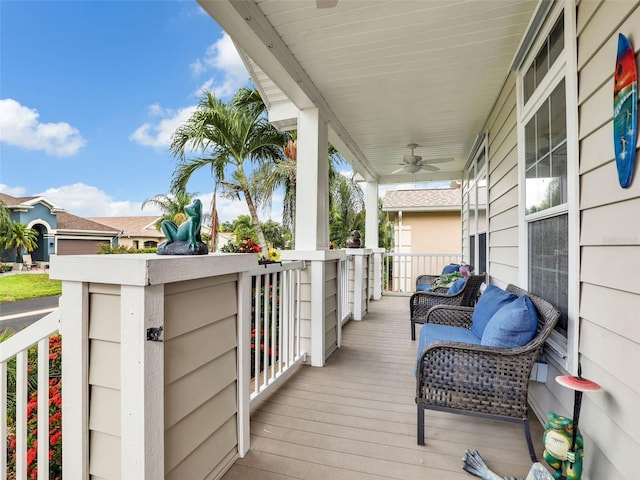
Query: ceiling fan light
x,y
412,168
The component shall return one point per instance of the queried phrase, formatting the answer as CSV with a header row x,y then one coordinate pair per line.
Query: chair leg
x,y
527,434
413,330
420,425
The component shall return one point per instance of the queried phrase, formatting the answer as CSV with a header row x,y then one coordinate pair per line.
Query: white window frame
x,y
482,146
563,351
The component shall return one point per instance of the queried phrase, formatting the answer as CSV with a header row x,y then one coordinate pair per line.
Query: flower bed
x,y
55,414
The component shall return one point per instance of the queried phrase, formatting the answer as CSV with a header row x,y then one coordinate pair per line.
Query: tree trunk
x,y
254,218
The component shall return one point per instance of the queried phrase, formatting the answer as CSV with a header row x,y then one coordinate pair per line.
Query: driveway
x,y
17,315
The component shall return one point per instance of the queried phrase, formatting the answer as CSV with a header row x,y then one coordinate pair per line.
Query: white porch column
x,y
371,238
142,382
312,190
74,328
371,218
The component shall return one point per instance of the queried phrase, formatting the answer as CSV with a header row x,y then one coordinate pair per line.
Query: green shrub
x,y
110,249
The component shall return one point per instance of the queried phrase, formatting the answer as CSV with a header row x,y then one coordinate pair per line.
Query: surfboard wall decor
x,y
625,111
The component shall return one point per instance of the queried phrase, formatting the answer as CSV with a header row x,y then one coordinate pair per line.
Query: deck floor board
x,y
356,417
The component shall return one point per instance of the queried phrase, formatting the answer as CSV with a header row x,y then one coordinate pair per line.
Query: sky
x,y
91,92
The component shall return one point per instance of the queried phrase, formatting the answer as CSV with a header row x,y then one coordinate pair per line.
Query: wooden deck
x,y
356,417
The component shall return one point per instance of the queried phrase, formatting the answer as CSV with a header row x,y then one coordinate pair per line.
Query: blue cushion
x,y
514,325
456,286
432,332
489,303
451,268
423,287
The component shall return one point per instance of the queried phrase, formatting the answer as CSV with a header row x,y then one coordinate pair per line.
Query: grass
x,y
23,287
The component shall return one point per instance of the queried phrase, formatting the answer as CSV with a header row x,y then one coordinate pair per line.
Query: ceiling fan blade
x,y
326,3
397,170
430,168
439,160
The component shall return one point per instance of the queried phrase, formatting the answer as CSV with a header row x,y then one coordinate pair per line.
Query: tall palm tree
x,y
19,237
172,206
228,134
346,210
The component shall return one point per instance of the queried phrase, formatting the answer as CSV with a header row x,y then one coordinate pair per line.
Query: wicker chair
x,y
475,380
427,279
421,302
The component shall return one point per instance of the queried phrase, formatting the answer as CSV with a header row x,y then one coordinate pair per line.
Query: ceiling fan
x,y
412,163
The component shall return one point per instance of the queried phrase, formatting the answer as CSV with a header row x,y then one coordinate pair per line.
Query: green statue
x,y
184,239
557,440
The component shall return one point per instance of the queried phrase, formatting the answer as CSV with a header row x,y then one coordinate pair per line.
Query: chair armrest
x,y
421,302
440,290
454,316
428,279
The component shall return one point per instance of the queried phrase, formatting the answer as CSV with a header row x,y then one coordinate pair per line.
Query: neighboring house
x,y
59,232
135,232
425,221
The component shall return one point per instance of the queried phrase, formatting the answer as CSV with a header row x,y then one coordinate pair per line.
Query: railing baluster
x,y
256,334
21,415
265,337
43,408
3,414
276,315
402,269
273,283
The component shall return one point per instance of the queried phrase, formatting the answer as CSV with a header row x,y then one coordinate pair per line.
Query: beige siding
x,y
305,311
200,378
434,232
503,189
200,375
610,247
331,308
104,381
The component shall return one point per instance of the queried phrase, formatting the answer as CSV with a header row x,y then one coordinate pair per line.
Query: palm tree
x,y
229,134
346,209
18,237
172,206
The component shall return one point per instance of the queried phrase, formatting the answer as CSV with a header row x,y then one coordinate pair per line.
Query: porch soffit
x,y
384,74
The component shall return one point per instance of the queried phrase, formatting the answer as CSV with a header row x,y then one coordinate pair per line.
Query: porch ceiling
x,y
383,73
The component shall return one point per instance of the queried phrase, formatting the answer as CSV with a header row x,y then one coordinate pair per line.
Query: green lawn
x,y
26,286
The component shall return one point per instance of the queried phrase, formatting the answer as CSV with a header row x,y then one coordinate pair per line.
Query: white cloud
x,y
159,135
20,126
87,201
12,191
221,58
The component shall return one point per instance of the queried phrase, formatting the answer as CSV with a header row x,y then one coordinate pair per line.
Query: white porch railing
x,y
402,269
344,310
275,328
17,347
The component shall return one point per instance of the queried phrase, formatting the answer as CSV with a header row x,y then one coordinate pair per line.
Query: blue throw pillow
x,y
457,286
451,268
489,303
423,287
514,325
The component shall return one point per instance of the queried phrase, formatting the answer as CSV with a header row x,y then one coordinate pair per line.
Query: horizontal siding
x,y
104,466
200,351
608,225
610,241
619,314
104,381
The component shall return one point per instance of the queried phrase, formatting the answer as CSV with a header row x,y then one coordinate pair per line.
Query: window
x,y
475,208
547,96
